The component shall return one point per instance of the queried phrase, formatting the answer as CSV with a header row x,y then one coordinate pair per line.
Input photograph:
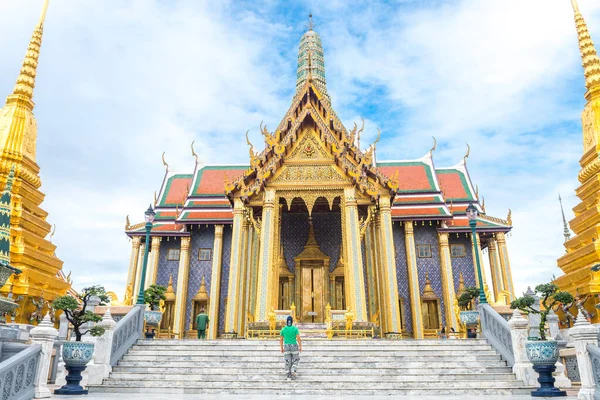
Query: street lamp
x,y
472,215
149,217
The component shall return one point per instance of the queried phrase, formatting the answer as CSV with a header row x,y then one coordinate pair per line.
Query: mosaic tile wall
x,y
227,234
294,233
427,235
202,237
463,264
402,273
165,267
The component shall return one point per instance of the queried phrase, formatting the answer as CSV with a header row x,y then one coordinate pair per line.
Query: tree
x,y
548,291
153,295
465,301
76,311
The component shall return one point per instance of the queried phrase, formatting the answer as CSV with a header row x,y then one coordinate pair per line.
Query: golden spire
x,y
590,60
170,293
26,80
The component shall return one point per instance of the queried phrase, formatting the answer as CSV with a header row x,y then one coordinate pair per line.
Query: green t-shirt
x,y
289,334
201,321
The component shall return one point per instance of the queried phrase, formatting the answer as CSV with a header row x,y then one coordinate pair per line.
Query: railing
x,y
17,373
595,358
127,331
496,330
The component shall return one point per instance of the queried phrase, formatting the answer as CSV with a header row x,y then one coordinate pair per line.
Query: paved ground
x,y
126,396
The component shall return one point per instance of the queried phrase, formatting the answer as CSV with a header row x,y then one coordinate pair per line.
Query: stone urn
x,y
469,317
543,354
76,355
152,319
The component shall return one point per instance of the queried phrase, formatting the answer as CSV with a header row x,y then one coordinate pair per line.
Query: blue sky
x,y
120,82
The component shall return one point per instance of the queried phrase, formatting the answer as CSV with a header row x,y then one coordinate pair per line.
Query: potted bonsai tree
x,y
543,352
77,354
468,316
153,296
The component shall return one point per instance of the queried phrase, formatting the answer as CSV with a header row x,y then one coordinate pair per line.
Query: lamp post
x,y
149,217
472,215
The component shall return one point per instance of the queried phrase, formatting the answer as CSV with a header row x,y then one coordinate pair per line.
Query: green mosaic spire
x,y
311,61
5,209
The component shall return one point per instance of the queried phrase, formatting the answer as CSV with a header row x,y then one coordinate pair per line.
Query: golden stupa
x,y
42,279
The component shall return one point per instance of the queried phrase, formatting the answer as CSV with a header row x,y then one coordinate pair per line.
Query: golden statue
x,y
349,319
272,317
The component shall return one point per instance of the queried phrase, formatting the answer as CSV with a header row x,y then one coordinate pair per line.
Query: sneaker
x,y
289,377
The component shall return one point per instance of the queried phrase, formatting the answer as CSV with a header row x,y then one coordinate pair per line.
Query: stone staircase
x,y
327,367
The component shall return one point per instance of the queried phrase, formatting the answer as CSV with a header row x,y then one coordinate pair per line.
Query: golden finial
x,y
26,79
155,199
170,292
127,223
378,137
250,144
433,147
467,155
193,152
590,60
311,23
164,162
476,191
359,131
451,207
68,278
483,203
509,217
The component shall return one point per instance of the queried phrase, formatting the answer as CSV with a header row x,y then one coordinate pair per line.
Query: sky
x,y
121,81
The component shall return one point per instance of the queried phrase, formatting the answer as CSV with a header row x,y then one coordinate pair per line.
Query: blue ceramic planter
x,y
469,317
152,318
76,355
543,354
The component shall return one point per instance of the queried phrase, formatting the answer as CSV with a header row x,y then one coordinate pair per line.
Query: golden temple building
x,y
583,250
41,279
315,222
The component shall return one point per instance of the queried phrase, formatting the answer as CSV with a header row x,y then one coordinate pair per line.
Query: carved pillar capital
x,y
384,203
185,243
500,237
443,238
350,197
136,241
219,231
156,242
408,227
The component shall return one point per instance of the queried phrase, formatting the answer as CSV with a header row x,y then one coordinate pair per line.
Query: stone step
x,y
308,375
313,358
220,368
279,381
308,353
211,363
337,393
274,346
328,342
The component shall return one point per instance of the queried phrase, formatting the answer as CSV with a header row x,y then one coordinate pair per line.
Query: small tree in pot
x,y
468,316
153,295
543,353
77,354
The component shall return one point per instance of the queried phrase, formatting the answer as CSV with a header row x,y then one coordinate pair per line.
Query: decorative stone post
x,y
101,367
560,376
522,368
584,333
44,335
534,319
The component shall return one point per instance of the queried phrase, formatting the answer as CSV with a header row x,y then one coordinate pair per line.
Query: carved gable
x,y
309,148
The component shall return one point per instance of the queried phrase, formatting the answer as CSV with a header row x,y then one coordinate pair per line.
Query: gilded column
x,y
133,264
153,262
248,276
505,264
380,277
183,274
447,282
413,280
371,274
265,257
233,290
138,273
215,283
390,289
242,280
254,272
497,281
354,251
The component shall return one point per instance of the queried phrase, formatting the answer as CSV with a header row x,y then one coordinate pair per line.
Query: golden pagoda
x,y
41,280
583,250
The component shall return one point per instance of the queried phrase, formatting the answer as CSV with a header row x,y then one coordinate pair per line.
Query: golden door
x,y
312,292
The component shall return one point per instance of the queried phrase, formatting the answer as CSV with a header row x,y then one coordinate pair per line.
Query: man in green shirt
x,y
202,324
291,346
